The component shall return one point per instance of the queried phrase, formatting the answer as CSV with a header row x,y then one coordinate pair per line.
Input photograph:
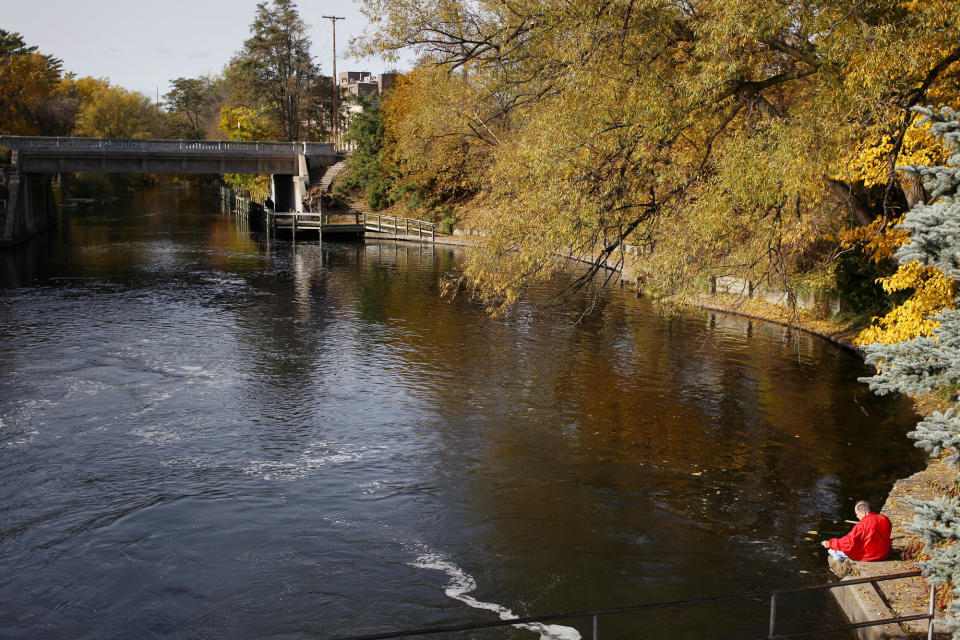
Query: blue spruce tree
x,y
928,363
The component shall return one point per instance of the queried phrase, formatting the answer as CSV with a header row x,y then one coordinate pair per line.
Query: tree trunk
x,y
912,190
845,193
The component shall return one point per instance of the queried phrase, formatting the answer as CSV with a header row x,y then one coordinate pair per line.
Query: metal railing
x,y
396,226
594,616
81,145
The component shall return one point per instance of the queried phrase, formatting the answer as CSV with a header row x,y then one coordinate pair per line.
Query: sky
x,y
143,44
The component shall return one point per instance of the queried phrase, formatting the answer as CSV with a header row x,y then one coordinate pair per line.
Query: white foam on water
x,y
462,583
312,458
370,488
158,435
17,431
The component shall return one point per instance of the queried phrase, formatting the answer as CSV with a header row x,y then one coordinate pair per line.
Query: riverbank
x,y
890,599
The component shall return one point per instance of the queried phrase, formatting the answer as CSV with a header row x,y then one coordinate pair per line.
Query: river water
x,y
203,435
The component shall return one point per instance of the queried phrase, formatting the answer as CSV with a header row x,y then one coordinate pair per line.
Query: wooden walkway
x,y
318,224
372,224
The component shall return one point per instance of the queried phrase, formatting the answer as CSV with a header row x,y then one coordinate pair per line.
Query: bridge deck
x,y
34,154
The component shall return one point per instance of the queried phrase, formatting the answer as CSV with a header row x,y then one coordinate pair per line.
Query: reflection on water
x,y
203,434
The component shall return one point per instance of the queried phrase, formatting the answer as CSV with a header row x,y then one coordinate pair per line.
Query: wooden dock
x,y
318,224
358,223
314,223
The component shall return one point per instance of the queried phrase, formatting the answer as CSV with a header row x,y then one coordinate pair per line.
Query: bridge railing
x,y
80,145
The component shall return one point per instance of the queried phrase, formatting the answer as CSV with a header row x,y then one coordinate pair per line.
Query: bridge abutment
x,y
282,192
287,190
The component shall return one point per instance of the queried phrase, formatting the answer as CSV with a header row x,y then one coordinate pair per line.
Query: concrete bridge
x,y
30,209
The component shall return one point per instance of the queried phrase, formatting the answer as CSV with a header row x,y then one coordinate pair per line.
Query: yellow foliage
x,y
114,112
27,83
249,185
699,132
254,125
243,123
83,89
932,292
869,163
435,131
876,245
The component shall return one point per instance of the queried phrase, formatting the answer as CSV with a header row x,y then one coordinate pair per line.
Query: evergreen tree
x,y
928,363
190,103
275,68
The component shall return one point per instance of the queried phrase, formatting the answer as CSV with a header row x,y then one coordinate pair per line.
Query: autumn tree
x,y
114,112
439,135
31,102
708,135
243,123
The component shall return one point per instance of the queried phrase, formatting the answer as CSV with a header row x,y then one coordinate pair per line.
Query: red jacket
x,y
869,541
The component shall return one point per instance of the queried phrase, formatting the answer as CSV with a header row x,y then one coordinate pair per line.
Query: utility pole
x,y
336,85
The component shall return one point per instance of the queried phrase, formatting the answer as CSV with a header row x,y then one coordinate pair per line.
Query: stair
x,y
330,174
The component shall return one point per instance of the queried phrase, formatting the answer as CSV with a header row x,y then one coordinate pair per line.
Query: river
x,y
205,435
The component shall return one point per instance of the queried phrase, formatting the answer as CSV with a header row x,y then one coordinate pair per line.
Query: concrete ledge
x,y
440,238
894,598
879,600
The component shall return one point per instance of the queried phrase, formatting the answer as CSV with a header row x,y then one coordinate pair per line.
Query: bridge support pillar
x,y
301,182
30,207
288,191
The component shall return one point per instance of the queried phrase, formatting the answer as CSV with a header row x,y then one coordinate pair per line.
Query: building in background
x,y
362,84
386,81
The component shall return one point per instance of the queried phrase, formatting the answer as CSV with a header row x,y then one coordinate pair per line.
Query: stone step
x,y
330,174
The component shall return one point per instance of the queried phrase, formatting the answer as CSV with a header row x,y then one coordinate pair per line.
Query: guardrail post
x,y
773,614
932,611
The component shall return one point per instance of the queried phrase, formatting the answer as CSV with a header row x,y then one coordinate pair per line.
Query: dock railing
x,y
398,226
596,615
354,218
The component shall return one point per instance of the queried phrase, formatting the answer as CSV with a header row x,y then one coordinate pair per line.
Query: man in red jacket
x,y
869,541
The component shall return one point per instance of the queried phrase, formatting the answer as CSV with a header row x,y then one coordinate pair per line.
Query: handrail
x,y
410,226
67,145
596,614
